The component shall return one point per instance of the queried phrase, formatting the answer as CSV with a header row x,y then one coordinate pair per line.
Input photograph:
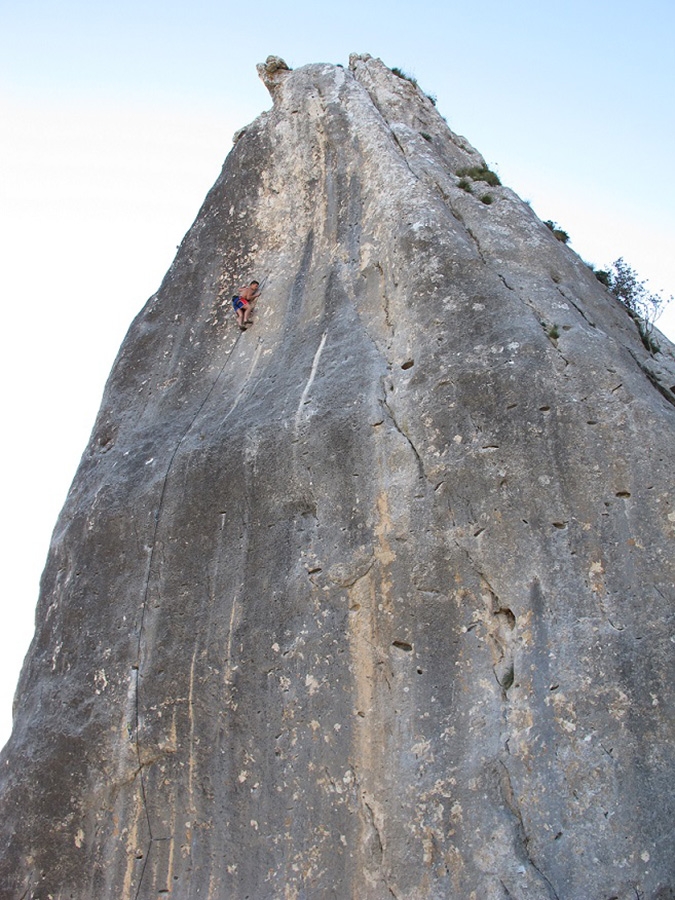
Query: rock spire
x,y
376,599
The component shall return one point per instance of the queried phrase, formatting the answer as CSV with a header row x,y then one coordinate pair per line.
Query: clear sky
x,y
115,118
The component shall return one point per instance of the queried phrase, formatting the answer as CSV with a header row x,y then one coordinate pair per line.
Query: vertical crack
x,y
141,778
403,153
501,624
509,798
418,458
665,392
576,306
373,825
380,844
427,179
471,234
522,299
385,299
146,593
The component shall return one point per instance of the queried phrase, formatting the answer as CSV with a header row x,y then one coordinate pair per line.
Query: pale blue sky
x,y
115,119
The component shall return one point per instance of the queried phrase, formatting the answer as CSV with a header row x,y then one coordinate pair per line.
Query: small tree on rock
x,y
643,306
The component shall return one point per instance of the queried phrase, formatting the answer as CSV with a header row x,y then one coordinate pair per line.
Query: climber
x,y
244,302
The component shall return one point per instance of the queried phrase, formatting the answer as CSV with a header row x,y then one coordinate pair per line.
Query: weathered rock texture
x,y
376,599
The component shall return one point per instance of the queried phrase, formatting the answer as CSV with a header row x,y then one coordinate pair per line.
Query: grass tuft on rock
x,y
404,75
480,173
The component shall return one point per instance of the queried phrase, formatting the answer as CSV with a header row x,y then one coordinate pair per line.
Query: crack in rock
x,y
666,393
400,430
511,803
576,306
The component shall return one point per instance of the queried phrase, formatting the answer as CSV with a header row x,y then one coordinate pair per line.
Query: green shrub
x,y
558,232
553,332
643,306
603,276
481,173
465,185
487,199
427,137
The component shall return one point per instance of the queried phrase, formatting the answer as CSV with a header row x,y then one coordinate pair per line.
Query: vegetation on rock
x,y
480,173
558,232
404,75
643,306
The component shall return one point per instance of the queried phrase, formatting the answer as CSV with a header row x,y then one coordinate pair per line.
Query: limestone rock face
x,y
272,73
376,599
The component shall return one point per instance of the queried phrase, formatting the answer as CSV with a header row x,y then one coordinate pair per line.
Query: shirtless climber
x,y
244,302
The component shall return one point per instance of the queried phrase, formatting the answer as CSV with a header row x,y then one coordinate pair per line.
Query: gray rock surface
x,y
374,600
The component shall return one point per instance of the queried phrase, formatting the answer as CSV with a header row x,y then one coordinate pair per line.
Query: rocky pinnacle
x,y
376,599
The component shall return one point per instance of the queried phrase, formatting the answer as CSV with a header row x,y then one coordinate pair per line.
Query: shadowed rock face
x,y
376,599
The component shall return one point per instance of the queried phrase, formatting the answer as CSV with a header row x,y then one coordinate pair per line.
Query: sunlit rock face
x,y
374,599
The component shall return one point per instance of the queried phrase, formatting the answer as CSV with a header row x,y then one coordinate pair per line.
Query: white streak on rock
x,y
312,374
